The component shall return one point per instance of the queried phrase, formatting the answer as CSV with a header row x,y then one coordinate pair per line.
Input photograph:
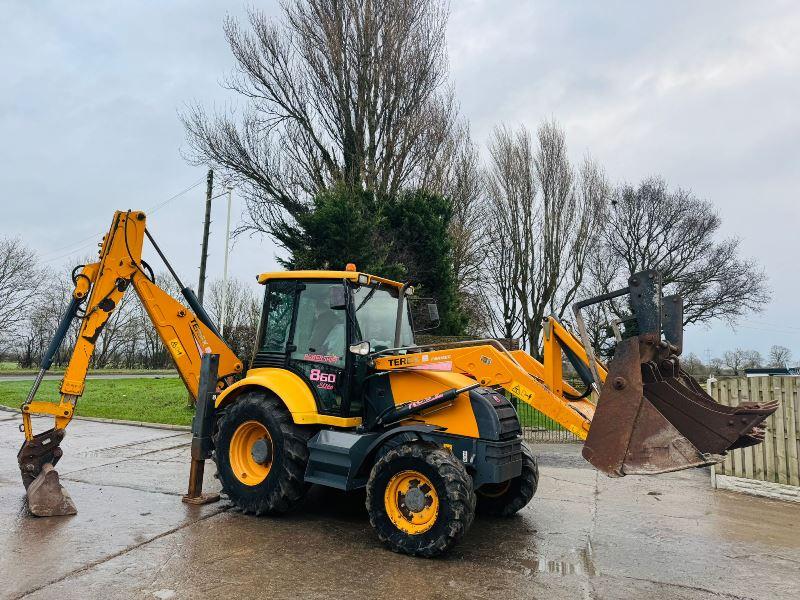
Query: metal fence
x,y
776,460
538,427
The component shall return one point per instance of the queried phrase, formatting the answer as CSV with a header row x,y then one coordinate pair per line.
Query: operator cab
x,y
310,319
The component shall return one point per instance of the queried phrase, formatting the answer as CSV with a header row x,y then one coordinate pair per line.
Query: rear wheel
x,y
507,498
420,499
261,455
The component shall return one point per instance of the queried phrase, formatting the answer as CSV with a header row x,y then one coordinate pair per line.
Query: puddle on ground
x,y
579,562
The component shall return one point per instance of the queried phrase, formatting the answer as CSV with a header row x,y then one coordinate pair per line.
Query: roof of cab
x,y
351,275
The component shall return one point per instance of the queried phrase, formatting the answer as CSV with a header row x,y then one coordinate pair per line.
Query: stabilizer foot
x,y
201,499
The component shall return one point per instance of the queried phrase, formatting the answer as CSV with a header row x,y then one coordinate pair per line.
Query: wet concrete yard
x,y
583,536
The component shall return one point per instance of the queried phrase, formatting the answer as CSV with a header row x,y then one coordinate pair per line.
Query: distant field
x,y
146,400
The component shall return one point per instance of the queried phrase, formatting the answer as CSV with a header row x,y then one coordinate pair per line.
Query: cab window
x,y
376,317
278,305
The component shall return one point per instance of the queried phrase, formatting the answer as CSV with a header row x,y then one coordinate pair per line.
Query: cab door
x,y
318,346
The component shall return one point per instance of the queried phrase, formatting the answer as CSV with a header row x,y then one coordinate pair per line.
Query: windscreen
x,y
376,315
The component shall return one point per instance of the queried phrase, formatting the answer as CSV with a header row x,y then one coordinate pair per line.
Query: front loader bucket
x,y
628,434
651,416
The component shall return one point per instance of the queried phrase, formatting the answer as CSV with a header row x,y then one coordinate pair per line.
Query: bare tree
x,y
337,91
739,359
21,279
674,232
547,212
463,183
241,317
717,366
499,295
43,313
695,367
780,357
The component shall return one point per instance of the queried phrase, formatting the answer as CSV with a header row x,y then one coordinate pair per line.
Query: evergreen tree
x,y
402,238
419,223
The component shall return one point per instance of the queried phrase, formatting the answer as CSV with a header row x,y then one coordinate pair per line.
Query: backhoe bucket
x,y
47,497
651,416
36,458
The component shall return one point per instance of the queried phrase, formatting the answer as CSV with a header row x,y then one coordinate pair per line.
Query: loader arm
x,y
101,285
539,384
641,414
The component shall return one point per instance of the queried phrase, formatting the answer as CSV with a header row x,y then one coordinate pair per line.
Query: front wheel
x,y
507,498
420,499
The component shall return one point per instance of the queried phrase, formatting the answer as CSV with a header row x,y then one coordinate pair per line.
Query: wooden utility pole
x,y
206,228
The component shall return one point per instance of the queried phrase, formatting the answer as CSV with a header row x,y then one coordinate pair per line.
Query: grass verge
x,y
530,417
145,400
162,401
11,369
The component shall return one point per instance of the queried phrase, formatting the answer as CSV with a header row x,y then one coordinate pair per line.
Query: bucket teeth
x,y
712,427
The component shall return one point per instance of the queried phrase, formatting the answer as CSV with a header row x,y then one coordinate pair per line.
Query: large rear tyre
x,y
261,455
420,499
507,498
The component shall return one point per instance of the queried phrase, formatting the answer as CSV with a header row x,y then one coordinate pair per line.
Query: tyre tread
x,y
290,487
458,491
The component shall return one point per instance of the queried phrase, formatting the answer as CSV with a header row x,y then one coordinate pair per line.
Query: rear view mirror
x,y
433,312
338,298
424,314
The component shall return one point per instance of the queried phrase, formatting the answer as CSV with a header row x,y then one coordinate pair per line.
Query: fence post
x,y
710,390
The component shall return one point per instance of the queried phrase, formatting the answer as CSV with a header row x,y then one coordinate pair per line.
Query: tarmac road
x,y
583,536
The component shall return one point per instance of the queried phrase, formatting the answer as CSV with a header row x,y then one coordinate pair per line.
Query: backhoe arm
x,y
101,286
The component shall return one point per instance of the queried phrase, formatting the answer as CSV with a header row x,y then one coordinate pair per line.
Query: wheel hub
x,y
261,451
411,502
250,453
414,499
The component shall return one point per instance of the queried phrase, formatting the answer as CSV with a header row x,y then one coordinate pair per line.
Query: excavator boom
x,y
99,288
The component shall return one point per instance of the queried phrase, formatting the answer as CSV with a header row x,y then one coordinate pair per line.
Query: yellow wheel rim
x,y
243,463
411,502
494,490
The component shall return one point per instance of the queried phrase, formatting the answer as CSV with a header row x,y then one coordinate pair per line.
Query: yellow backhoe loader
x,y
338,394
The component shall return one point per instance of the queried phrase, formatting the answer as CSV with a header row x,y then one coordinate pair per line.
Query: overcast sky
x,y
704,94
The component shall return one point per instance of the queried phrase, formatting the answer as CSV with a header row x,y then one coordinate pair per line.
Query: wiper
x,y
366,298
